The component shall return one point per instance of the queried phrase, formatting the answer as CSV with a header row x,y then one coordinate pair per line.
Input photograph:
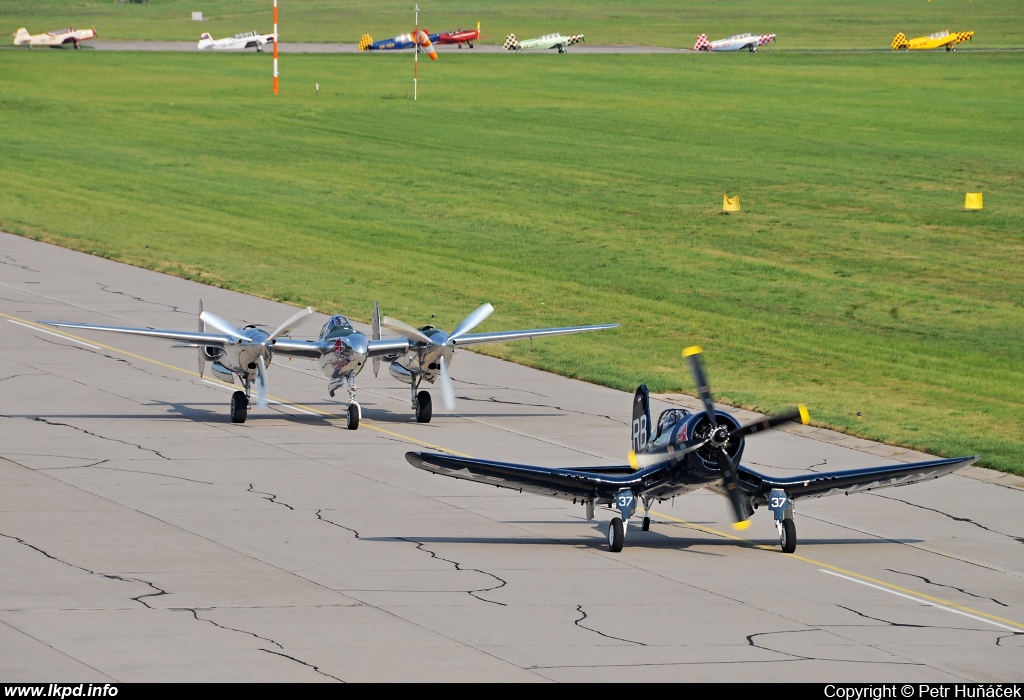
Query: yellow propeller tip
x,y
805,417
742,525
632,460
692,350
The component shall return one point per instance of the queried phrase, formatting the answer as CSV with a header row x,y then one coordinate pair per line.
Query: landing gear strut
x,y
646,523
782,510
421,403
355,411
625,501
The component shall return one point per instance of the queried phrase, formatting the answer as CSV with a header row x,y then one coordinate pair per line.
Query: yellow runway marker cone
x,y
973,201
732,204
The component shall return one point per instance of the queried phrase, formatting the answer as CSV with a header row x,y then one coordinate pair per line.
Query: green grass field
x,y
800,24
581,189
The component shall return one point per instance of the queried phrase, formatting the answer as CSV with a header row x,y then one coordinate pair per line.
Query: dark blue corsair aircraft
x,y
688,451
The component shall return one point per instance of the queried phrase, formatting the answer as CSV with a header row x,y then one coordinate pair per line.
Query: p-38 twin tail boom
x,y
341,351
687,451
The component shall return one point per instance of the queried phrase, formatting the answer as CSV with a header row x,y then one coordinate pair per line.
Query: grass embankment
x,y
581,189
800,24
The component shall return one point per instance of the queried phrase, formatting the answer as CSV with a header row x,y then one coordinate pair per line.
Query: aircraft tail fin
x,y
205,35
511,44
640,427
702,43
364,42
900,42
21,35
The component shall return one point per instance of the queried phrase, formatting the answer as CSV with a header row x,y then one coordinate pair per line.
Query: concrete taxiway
x,y
144,537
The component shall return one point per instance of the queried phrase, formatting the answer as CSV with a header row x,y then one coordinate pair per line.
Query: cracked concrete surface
x,y
145,537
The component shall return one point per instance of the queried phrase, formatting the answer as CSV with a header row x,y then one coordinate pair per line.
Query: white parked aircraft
x,y
248,40
548,41
746,41
53,39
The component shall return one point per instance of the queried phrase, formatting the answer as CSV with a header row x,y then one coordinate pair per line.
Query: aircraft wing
x,y
192,337
309,349
501,336
818,484
387,346
567,484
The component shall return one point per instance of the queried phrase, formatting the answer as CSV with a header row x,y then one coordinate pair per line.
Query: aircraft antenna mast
x,y
415,53
275,47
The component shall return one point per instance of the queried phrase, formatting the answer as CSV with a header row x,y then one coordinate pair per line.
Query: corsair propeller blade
x,y
693,356
729,479
649,459
292,322
800,415
478,316
221,325
261,383
447,391
406,330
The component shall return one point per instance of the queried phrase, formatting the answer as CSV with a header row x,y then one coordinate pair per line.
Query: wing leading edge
x,y
818,484
193,337
659,479
565,484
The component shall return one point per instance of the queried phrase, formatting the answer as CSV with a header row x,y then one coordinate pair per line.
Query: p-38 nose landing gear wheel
x,y
354,413
239,407
424,410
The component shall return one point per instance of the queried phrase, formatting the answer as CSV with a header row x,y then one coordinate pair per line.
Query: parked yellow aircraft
x,y
932,41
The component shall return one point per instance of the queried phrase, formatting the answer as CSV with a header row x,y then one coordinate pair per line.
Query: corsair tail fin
x,y
702,43
511,44
640,427
900,42
365,42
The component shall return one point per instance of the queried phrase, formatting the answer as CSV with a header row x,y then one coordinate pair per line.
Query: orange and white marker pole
x,y
415,53
275,47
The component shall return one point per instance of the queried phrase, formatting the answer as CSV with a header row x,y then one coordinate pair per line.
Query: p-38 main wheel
x,y
239,407
616,535
423,408
787,540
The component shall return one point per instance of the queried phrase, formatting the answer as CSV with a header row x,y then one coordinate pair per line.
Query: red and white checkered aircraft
x,y
734,43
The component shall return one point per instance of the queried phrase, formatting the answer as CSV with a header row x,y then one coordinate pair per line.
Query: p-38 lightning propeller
x,y
687,451
341,351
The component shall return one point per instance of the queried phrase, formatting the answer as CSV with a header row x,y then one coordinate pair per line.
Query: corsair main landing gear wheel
x,y
787,540
646,525
353,416
239,407
616,535
423,408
